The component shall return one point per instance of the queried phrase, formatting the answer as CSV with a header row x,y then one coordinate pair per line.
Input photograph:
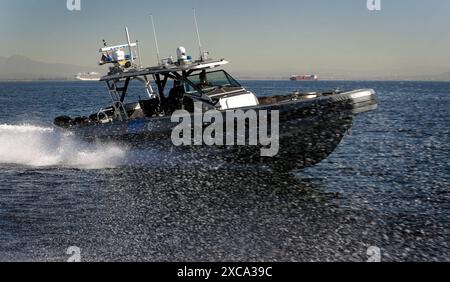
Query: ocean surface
x,y
386,187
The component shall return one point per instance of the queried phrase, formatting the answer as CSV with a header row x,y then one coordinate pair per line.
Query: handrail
x,y
120,107
102,111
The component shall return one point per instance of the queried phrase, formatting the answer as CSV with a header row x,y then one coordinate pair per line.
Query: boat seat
x,y
134,110
138,113
149,107
174,101
188,104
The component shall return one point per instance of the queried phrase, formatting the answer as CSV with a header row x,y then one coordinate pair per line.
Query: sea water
x,y
386,187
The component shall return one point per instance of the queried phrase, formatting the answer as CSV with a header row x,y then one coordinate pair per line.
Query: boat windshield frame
x,y
161,75
208,85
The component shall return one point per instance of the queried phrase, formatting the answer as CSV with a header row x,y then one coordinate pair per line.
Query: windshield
x,y
209,81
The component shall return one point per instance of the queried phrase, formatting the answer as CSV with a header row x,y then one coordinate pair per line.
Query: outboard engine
x,y
63,121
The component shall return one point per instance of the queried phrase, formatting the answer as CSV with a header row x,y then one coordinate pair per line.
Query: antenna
x,y
129,45
156,40
198,35
139,54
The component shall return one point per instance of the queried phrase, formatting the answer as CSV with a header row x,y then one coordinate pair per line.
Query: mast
x,y
156,40
129,45
198,35
139,54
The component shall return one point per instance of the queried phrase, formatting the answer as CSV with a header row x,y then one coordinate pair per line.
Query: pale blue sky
x,y
258,36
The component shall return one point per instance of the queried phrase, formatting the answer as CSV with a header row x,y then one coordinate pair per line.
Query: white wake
x,y
36,146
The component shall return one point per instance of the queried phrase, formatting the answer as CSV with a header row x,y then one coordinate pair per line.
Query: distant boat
x,y
304,77
89,76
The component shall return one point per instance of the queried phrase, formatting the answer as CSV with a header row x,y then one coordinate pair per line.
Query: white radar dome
x,y
181,53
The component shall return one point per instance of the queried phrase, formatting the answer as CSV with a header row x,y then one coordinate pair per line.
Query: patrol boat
x,y
311,125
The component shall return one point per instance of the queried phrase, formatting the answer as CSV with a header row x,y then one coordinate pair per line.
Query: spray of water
x,y
36,146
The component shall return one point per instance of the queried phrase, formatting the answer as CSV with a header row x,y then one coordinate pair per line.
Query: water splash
x,y
37,146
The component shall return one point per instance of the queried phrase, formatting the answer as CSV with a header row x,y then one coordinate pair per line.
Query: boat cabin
x,y
192,81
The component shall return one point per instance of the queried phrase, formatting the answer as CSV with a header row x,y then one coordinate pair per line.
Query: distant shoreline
x,y
23,69
242,79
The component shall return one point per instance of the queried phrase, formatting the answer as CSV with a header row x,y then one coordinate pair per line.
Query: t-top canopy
x,y
198,65
118,47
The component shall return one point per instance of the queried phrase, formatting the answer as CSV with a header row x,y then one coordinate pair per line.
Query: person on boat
x,y
175,99
203,80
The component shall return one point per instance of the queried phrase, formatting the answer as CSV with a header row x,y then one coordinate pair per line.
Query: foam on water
x,y
37,146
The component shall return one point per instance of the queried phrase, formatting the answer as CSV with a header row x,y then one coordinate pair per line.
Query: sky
x,y
258,37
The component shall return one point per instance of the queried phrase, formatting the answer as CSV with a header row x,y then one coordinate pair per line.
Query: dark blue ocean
x,y
386,186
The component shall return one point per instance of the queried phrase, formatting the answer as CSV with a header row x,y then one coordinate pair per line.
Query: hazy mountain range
x,y
23,68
